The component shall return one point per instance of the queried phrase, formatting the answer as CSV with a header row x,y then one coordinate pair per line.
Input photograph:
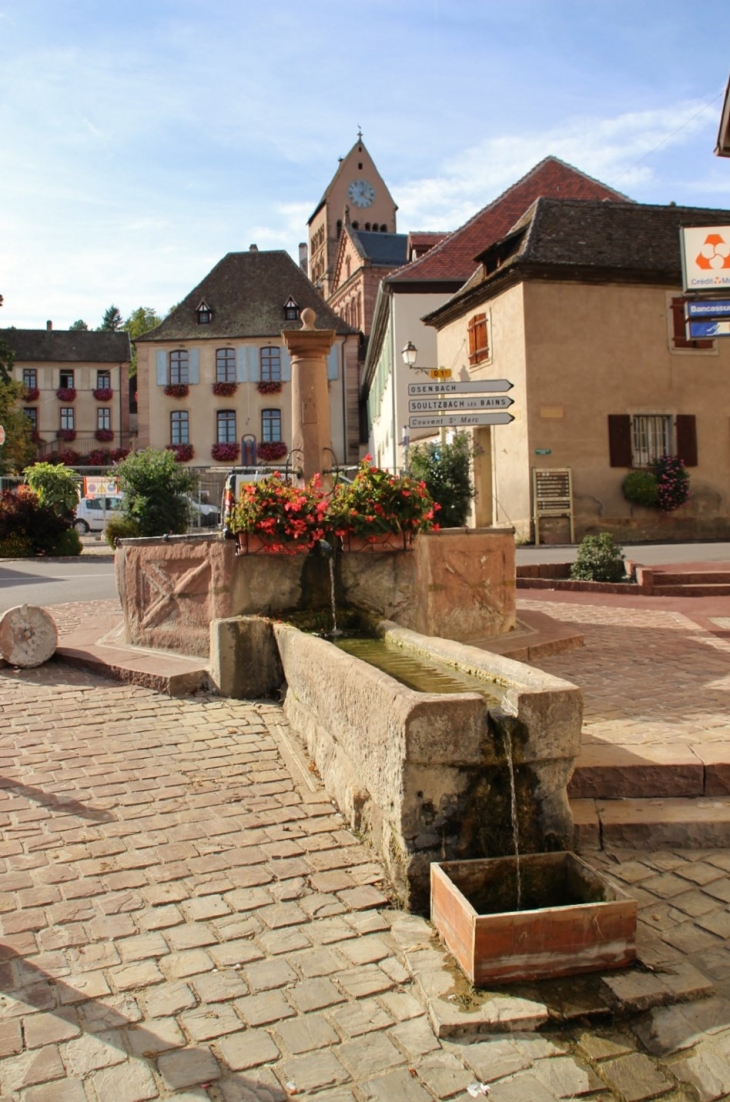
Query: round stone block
x,y
28,636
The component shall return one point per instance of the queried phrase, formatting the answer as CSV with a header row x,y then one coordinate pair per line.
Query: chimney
x,y
49,326
253,248
303,256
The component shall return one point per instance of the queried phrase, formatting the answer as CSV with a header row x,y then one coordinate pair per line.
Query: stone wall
x,y
459,583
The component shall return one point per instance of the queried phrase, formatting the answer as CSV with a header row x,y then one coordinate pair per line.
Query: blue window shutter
x,y
161,367
194,365
254,370
332,361
241,365
285,365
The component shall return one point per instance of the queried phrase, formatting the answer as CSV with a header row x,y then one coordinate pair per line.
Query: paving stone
x,y
674,1028
111,1012
215,987
366,980
11,1040
259,1085
282,914
363,1016
601,1047
188,1067
31,1068
315,994
70,1090
266,974
89,1052
414,1037
567,1077
316,962
189,963
247,1050
445,1075
168,998
237,952
47,1029
264,1009
492,1059
77,988
209,1020
365,950
707,1071
131,976
636,1077
131,1082
304,1034
363,898
155,1036
399,1086
520,1087
309,1073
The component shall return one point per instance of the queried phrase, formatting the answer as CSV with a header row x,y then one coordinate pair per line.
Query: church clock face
x,y
361,193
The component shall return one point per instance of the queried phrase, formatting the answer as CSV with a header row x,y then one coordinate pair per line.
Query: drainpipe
x,y
391,314
345,426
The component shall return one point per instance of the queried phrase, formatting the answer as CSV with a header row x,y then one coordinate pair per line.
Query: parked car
x,y
92,513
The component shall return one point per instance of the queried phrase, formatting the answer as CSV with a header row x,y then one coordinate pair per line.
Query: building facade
x,y
76,391
581,308
214,376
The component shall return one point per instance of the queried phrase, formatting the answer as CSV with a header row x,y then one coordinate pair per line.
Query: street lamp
x,y
409,354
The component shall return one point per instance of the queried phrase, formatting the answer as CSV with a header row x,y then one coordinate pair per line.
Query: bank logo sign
x,y
705,257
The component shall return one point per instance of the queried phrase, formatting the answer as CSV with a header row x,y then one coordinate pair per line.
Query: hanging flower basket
x,y
225,453
104,435
66,393
103,393
177,390
225,390
275,449
183,452
31,394
273,387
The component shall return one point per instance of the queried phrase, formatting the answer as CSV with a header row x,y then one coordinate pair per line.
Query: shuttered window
x,y
225,365
679,328
640,440
179,369
270,365
478,345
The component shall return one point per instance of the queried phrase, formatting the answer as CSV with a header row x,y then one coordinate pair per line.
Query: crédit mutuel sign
x,y
705,258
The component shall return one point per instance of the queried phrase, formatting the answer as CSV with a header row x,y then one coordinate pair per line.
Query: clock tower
x,y
357,185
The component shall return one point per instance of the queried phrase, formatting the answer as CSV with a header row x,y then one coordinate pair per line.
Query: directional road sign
x,y
458,420
439,373
448,404
475,386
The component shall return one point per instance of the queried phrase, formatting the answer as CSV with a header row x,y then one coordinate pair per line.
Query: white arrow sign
x,y
459,420
476,386
433,405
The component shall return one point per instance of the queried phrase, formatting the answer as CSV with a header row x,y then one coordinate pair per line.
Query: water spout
x,y
515,820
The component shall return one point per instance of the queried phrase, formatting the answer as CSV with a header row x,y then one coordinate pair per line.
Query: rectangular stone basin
x,y
572,919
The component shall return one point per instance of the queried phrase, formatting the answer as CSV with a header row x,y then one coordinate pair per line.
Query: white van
x,y
92,513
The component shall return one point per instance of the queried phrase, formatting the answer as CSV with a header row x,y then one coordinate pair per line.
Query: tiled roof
x,y
568,239
453,258
381,248
246,293
67,346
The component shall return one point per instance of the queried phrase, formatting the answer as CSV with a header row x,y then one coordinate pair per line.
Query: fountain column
x,y
311,436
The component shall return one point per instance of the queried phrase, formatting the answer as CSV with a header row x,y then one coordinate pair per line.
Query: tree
x,y
76,325
155,488
112,320
18,449
140,321
446,470
56,486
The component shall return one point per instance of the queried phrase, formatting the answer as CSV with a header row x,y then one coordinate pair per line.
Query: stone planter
x,y
383,541
572,919
248,543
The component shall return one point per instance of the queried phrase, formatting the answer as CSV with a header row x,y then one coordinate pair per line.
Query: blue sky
x,y
145,139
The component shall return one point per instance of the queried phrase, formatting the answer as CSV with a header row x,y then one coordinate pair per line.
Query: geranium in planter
x,y
99,457
274,449
103,393
665,486
225,390
66,434
377,503
104,435
225,453
31,394
66,393
183,452
271,387
282,518
177,390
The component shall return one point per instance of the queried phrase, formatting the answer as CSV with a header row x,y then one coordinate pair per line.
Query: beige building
x,y
581,308
214,376
358,186
76,386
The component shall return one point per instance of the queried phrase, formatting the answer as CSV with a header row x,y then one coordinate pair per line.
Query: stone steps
x,y
609,772
671,823
691,583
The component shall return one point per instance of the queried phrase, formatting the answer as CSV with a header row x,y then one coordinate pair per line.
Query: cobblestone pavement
x,y
184,915
649,677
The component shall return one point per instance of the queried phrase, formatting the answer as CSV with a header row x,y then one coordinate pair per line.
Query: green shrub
x,y
641,488
15,547
121,528
446,470
22,517
155,488
68,544
56,486
599,560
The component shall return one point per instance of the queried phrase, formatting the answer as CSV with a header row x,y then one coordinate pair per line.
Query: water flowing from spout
x,y
515,821
335,632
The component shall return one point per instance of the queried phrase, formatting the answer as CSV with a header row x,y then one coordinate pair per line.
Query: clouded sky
x,y
143,140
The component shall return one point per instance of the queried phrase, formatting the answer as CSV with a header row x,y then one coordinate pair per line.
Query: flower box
x,y
183,452
105,435
225,453
31,394
272,387
250,543
378,542
103,393
275,449
177,390
66,434
66,393
571,919
225,390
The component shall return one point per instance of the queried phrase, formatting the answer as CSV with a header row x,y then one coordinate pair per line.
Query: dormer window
x,y
291,310
205,314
